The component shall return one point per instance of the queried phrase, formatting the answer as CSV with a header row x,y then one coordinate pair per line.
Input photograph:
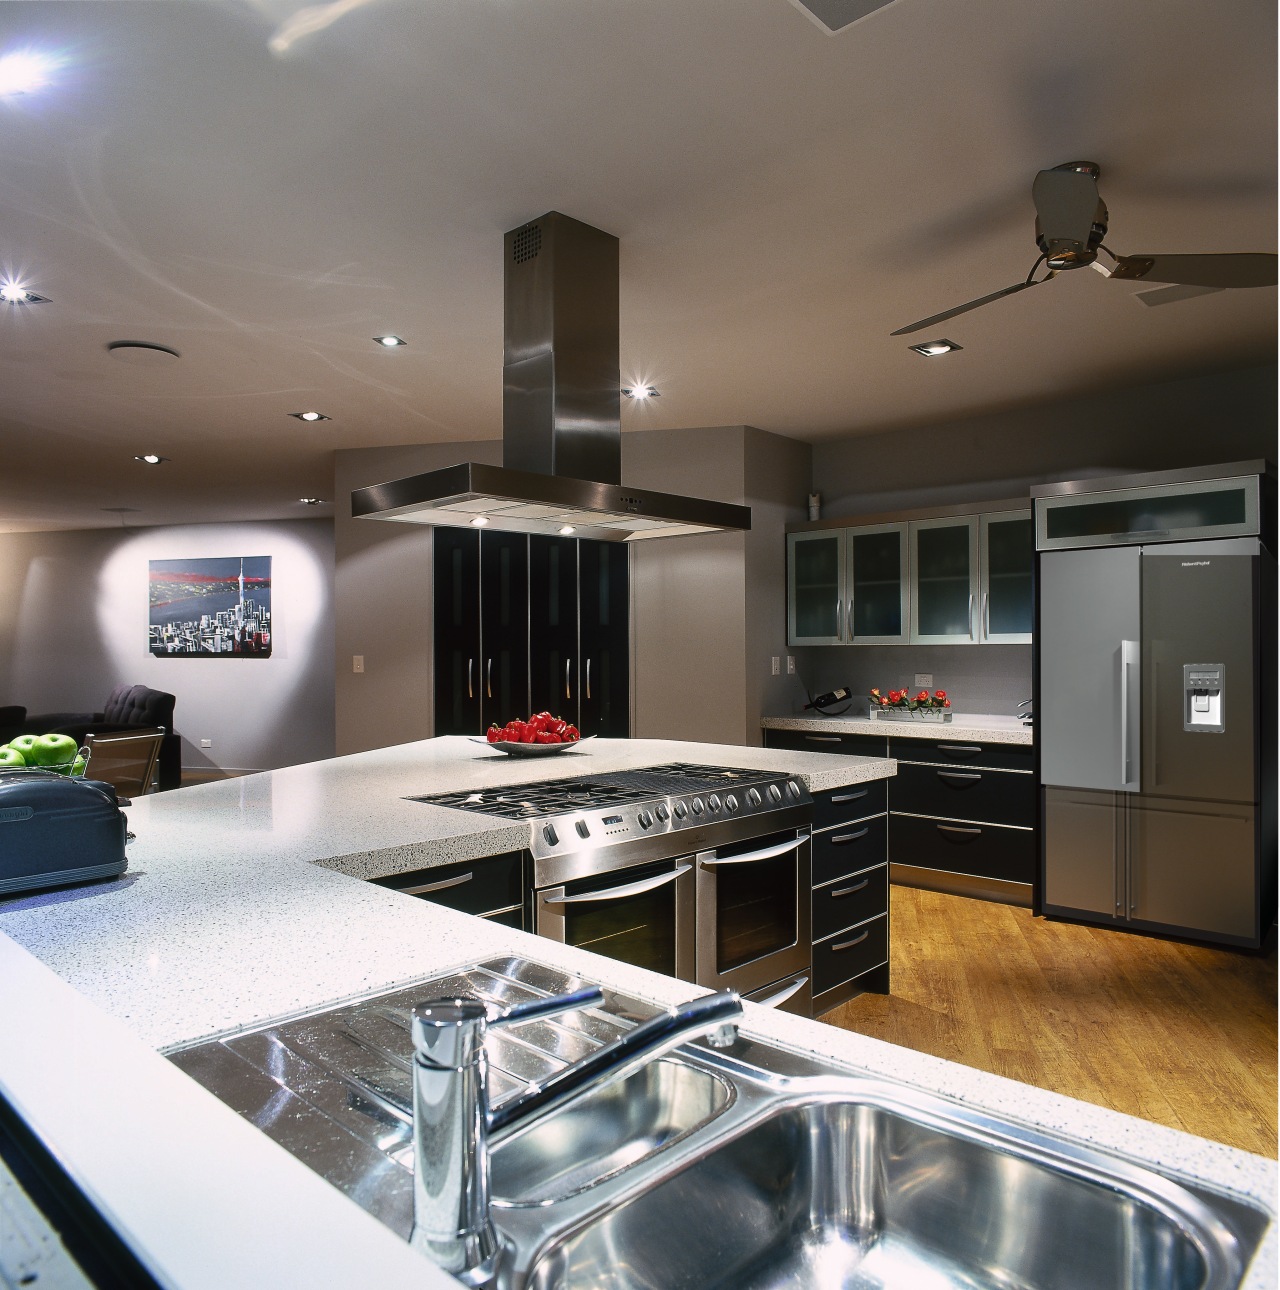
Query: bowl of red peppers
x,y
543,733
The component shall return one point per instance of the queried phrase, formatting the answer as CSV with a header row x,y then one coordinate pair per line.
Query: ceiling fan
x,y
1071,221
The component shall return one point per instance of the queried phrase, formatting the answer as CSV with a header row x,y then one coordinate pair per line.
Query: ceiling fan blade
x,y
1066,201
1244,270
964,309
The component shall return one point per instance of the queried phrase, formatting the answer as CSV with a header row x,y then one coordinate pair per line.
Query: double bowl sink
x,y
746,1168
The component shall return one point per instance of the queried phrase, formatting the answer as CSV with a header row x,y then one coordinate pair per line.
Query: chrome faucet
x,y
454,1126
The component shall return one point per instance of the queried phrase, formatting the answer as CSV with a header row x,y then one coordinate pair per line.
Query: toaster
x,y
55,831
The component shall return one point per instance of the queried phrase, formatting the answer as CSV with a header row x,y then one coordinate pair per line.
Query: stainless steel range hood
x,y
561,426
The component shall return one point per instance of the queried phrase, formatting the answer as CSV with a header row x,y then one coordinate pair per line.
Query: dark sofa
x,y
127,707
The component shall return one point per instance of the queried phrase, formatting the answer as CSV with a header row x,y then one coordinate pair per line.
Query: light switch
x,y
775,665
357,662
791,666
924,680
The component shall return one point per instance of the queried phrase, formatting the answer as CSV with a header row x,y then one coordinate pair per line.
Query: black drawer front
x,y
850,954
850,900
472,887
827,741
966,793
854,802
960,752
844,850
986,852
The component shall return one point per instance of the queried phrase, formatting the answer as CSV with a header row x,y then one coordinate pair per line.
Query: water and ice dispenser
x,y
1202,696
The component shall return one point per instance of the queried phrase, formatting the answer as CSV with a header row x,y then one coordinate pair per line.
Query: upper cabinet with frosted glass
x,y
962,579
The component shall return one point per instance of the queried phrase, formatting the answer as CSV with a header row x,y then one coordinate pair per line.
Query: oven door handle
x,y
766,853
619,893
776,1000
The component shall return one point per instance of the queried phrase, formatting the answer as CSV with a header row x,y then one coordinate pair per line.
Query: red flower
x,y
946,703
939,695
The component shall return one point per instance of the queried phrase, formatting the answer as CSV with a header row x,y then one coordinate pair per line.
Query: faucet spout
x,y
453,1124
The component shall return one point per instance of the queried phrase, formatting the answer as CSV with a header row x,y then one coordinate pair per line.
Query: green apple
x,y
24,745
10,757
51,750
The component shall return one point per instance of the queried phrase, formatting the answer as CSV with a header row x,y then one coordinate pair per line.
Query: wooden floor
x,y
1179,1034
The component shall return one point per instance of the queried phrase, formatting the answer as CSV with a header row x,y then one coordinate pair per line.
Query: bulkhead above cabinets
x,y
923,579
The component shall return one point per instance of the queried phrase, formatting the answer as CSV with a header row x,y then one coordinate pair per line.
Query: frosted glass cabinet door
x,y
876,578
944,581
1008,546
815,588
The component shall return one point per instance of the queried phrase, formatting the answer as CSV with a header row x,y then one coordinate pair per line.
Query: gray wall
x,y
76,626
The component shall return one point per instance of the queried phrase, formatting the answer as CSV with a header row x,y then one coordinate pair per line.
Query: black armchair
x,y
12,718
127,707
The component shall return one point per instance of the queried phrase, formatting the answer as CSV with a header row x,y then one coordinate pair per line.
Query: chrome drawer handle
x,y
435,886
846,945
823,739
851,797
848,891
959,774
767,853
774,1000
951,828
844,838
970,749
620,893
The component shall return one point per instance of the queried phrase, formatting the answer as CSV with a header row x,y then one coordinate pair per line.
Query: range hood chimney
x,y
561,424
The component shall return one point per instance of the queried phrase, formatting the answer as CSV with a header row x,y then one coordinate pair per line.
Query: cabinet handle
x,y
470,691
488,678
848,945
848,891
850,797
959,774
965,750
568,663
425,887
774,1000
843,838
588,678
823,739
951,828
986,615
839,623
971,615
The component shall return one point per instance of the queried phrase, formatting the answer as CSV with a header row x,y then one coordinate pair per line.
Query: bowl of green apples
x,y
59,753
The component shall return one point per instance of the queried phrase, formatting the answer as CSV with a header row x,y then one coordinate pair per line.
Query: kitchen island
x,y
242,904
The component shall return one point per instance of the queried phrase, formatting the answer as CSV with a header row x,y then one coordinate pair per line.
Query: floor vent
x,y
835,15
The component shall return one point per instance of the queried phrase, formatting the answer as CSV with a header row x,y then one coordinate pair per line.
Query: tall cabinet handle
x,y
588,678
470,691
839,622
986,615
1130,769
568,663
971,615
488,678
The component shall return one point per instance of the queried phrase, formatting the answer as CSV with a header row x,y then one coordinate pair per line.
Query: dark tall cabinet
x,y
524,624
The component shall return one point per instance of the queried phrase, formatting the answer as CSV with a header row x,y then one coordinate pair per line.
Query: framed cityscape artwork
x,y
211,608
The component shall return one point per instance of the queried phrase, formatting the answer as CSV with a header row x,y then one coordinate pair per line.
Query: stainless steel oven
x,y
754,922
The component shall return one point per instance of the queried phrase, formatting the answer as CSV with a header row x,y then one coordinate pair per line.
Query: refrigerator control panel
x,y
1202,696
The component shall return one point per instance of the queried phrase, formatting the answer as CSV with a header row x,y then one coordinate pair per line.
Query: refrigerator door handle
x,y
1130,769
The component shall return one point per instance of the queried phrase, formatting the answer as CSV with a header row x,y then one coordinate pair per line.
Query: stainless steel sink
x,y
747,1169
867,1189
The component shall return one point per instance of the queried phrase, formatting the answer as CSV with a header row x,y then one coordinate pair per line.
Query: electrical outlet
x,y
791,666
357,662
924,679
206,743
775,666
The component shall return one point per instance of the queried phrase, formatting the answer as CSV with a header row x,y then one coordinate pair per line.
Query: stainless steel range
x,y
699,872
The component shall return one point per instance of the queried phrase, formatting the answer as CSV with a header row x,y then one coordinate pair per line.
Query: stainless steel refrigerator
x,y
1151,702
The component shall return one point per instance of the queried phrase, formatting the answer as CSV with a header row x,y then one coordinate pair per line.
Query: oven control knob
x,y
696,806
793,789
713,802
661,812
680,810
753,797
775,792
731,803
549,832
644,819
584,830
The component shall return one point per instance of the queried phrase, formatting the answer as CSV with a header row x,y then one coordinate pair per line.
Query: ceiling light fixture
x,y
640,392
935,348
391,342
568,528
310,416
480,521
20,73
311,501
150,458
14,293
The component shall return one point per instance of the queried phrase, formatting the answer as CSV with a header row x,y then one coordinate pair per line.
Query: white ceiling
x,y
784,198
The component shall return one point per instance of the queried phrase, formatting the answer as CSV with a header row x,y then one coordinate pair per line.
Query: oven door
x,y
754,912
641,915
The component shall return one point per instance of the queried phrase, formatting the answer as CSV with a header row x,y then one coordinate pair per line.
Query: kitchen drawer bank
x,y
962,808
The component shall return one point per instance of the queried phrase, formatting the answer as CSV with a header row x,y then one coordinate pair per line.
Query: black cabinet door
x,y
504,627
604,639
553,626
456,568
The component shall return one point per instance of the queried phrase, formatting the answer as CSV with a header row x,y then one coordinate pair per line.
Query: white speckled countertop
x,y
224,920
971,726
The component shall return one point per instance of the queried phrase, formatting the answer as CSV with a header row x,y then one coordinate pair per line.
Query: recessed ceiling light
x,y
14,293
480,521
641,392
23,72
151,458
568,528
310,416
311,501
391,342
934,348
